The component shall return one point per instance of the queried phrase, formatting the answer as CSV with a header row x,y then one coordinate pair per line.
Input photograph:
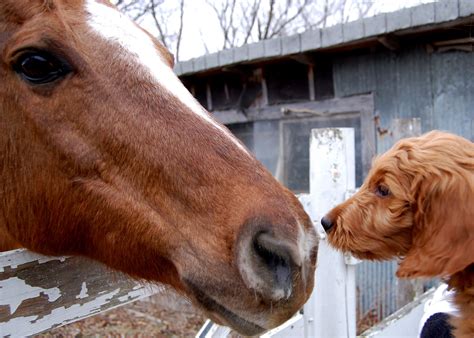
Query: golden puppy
x,y
417,203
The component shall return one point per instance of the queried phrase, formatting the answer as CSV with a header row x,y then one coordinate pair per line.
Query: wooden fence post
x,y
330,312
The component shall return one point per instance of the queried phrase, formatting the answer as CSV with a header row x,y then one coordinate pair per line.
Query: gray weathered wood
x,y
337,107
319,108
38,292
437,88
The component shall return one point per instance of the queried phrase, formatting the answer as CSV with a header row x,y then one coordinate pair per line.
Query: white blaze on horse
x,y
105,154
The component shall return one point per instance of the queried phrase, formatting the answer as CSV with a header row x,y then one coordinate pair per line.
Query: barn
x,y
389,76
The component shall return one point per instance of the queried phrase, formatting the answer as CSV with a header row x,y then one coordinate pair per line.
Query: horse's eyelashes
x,y
38,67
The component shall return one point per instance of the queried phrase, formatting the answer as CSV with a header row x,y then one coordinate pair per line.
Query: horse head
x,y
105,154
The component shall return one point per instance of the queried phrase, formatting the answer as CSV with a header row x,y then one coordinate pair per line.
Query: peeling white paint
x,y
67,307
83,294
140,290
23,326
15,258
133,295
15,291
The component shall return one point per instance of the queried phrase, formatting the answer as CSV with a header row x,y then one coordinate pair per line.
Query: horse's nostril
x,y
327,223
274,260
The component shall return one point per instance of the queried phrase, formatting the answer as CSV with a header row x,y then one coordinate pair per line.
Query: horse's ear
x,y
169,57
172,59
443,234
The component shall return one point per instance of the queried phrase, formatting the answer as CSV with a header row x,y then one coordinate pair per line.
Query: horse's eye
x,y
382,190
39,67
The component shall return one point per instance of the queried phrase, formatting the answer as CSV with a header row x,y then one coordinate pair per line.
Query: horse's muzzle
x,y
275,265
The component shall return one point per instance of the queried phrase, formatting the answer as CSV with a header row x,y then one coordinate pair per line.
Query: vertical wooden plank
x,y
330,312
312,95
260,76
208,96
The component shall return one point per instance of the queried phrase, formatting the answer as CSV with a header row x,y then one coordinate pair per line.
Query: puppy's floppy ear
x,y
443,233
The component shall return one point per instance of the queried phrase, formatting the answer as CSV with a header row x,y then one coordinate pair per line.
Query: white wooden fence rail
x,y
39,292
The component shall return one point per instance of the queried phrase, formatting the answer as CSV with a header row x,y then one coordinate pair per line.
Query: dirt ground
x,y
162,315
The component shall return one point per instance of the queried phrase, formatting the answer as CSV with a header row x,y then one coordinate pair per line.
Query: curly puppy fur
x,y
417,203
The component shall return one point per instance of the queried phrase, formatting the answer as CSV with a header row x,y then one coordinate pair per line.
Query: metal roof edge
x,y
434,14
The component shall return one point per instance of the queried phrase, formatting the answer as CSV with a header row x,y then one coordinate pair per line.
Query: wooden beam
x,y
208,96
323,108
38,292
263,82
452,42
390,42
312,92
305,59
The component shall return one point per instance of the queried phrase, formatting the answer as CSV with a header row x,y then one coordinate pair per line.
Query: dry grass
x,y
162,315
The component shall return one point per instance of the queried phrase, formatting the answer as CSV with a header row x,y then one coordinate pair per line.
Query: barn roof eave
x,y
415,20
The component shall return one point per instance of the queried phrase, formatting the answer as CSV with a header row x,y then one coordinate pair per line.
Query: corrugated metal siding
x,y
453,92
438,88
376,290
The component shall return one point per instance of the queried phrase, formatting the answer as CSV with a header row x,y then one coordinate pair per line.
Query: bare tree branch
x,y
180,30
159,13
250,19
269,19
284,22
244,21
154,15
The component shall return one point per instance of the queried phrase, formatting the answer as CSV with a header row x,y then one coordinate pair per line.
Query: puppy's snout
x,y
327,223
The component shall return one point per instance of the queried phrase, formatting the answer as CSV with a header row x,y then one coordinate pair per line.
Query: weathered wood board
x,y
39,292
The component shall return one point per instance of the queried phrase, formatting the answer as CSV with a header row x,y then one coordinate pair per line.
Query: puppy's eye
x,y
40,67
382,190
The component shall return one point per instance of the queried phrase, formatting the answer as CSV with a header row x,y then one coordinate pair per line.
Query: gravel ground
x,y
162,315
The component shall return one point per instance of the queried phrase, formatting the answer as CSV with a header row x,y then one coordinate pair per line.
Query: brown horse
x,y
105,154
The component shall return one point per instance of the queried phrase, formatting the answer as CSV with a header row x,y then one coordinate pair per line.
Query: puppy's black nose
x,y
326,223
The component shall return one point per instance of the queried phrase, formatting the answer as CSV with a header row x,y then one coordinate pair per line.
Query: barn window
x,y
283,145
